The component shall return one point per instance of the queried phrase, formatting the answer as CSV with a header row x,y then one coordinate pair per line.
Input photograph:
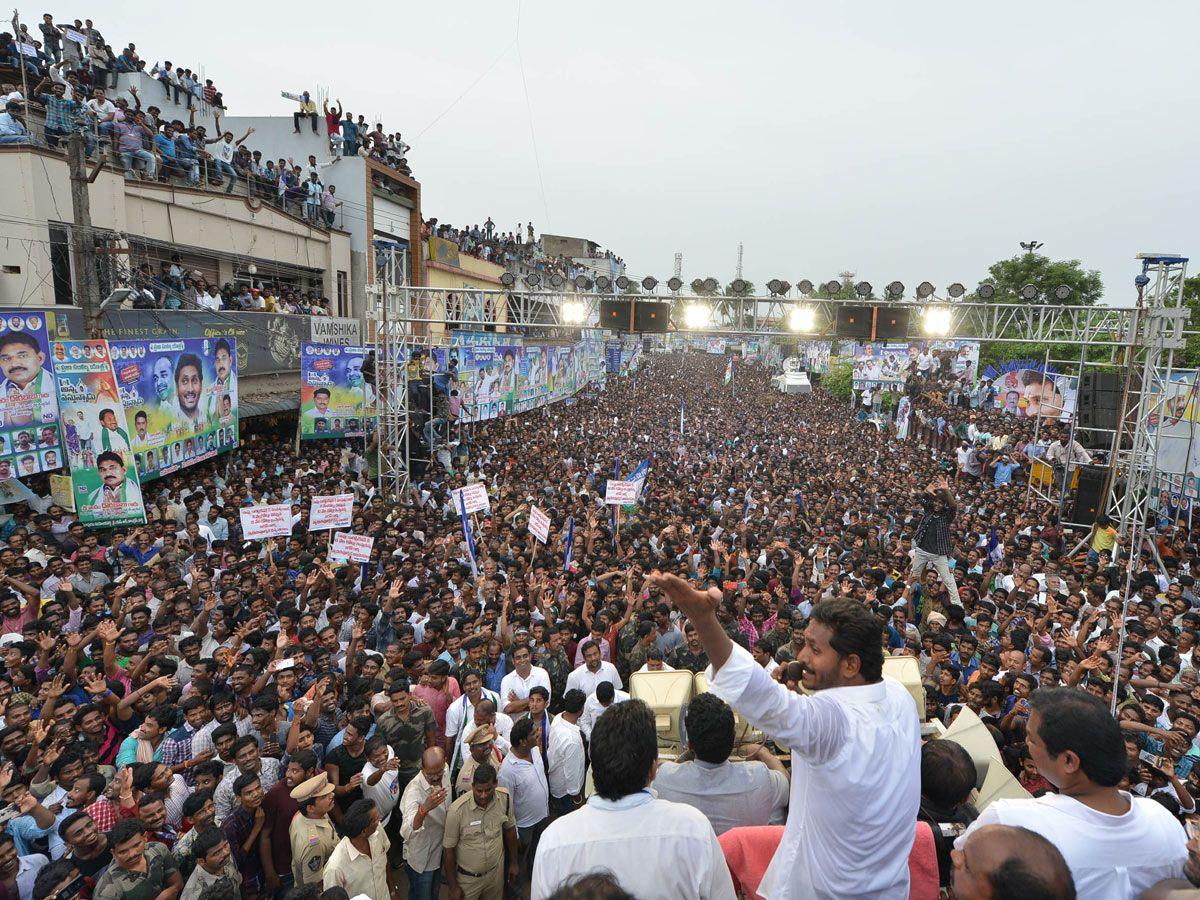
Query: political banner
x,y
539,524
180,401
104,480
474,498
620,493
261,522
29,435
354,547
334,396
60,492
331,511
1027,388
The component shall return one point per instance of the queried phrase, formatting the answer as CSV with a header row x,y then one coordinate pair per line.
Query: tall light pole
x,y
1031,246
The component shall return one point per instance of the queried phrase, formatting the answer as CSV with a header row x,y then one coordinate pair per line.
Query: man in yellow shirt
x,y
1103,537
307,110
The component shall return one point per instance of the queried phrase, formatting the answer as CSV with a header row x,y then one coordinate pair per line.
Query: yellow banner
x,y
60,492
443,251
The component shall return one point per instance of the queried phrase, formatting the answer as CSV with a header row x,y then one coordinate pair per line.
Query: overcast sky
x,y
897,140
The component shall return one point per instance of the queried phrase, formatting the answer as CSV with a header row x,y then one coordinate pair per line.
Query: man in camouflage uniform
x,y
691,655
409,728
554,660
139,870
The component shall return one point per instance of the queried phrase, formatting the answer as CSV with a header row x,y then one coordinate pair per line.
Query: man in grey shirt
x,y
730,794
85,581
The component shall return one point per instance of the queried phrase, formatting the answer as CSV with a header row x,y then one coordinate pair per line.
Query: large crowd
x,y
190,713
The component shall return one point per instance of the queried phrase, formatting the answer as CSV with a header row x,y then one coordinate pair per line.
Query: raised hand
x,y
693,603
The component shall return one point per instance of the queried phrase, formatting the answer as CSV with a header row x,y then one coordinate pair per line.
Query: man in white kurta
x,y
855,745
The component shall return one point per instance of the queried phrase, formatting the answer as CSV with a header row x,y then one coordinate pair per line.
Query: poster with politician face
x,y
176,393
28,400
335,397
104,479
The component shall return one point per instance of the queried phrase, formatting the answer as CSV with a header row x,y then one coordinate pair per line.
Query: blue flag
x,y
570,543
470,538
994,548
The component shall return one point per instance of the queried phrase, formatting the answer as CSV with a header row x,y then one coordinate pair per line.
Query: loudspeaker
x,y
853,322
891,322
614,314
1089,495
1100,399
650,317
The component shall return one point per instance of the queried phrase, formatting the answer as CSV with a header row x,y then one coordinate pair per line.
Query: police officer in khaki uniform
x,y
312,834
480,826
482,743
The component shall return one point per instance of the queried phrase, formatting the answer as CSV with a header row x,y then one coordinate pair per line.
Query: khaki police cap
x,y
317,786
481,735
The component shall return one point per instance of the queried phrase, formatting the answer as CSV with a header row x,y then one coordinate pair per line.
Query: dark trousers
x,y
297,116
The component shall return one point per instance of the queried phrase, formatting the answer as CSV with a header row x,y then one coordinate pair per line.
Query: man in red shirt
x,y
280,808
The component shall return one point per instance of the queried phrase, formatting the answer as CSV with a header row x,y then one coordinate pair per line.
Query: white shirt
x,y
385,792
526,783
513,683
1110,857
657,850
729,794
592,710
565,755
856,781
423,846
586,680
463,710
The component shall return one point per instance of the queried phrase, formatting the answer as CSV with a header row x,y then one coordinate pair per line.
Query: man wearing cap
x,y
312,834
481,744
480,827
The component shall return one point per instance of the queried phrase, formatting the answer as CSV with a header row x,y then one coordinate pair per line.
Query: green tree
x,y
839,380
1008,276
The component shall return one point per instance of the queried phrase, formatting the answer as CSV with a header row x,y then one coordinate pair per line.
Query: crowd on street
x,y
189,713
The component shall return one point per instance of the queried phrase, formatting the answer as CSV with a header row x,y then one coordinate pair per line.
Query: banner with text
x,y
329,512
334,396
29,436
261,522
180,401
474,498
104,480
539,524
354,547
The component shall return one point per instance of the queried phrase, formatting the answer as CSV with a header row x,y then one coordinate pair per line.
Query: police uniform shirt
x,y
313,841
477,833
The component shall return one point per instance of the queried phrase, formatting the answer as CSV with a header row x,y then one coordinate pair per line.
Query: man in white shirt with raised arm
x,y
855,745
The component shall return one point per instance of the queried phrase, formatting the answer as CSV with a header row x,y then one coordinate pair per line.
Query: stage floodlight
x,y
863,289
956,290
936,321
573,312
533,279
697,315
583,283
784,287
674,283
623,283
697,285
557,281
603,283
986,291
508,279
649,283
1062,292
1029,292
773,286
924,289
804,286
802,319
895,290
711,284
833,287
738,286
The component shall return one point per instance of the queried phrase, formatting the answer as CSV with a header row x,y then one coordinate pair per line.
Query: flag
x,y
994,548
570,542
729,371
470,538
682,406
638,477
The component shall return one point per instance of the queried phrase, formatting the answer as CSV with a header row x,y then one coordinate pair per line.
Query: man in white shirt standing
x,y
514,687
565,755
855,745
656,849
423,809
730,794
523,775
1116,845
593,708
593,671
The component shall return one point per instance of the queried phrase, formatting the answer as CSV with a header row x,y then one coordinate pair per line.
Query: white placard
x,y
620,493
331,511
474,496
72,35
355,547
266,521
539,524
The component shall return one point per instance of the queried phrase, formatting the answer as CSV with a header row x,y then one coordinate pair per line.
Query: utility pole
x,y
83,242
739,262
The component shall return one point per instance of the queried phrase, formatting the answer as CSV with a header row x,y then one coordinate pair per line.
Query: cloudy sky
x,y
897,140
